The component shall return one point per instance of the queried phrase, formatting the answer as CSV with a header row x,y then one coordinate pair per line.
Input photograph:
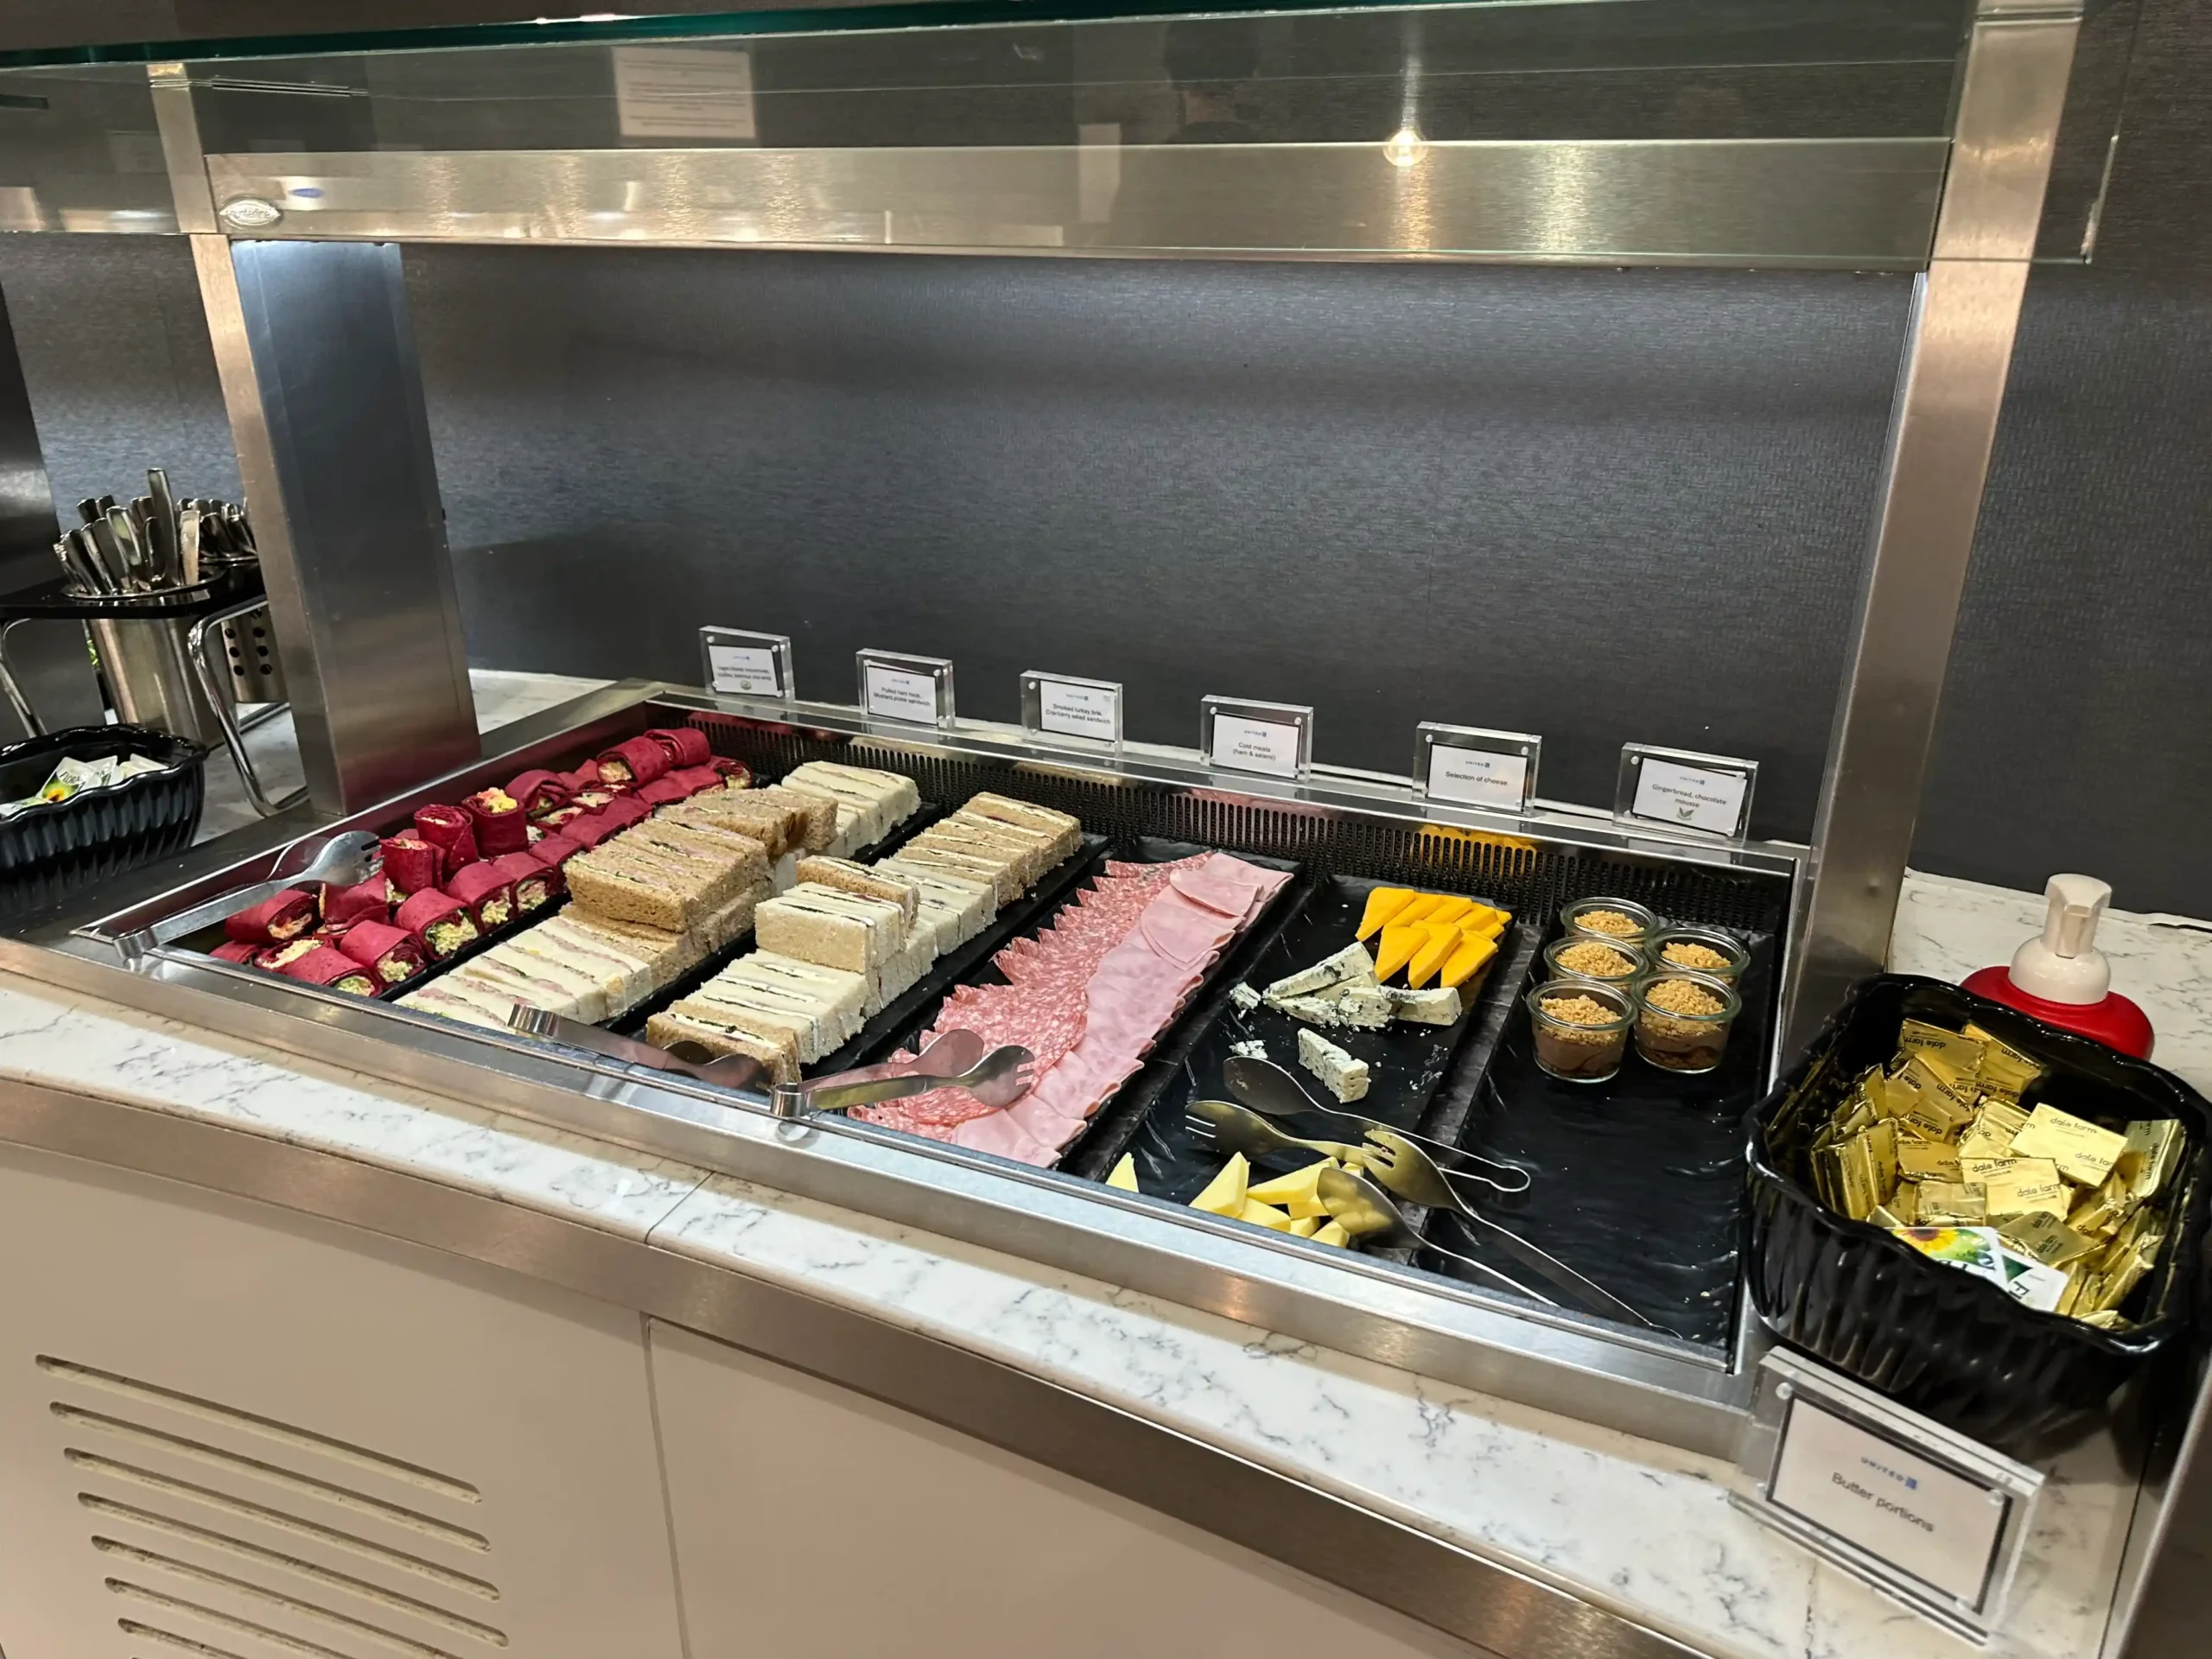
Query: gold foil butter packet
x,y
2051,1241
1959,1054
2082,1152
1928,1160
1945,1204
2147,1162
2026,1184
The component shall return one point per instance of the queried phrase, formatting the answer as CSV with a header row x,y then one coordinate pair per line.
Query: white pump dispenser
x,y
2063,965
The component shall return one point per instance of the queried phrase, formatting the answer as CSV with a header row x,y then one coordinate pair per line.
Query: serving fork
x,y
1268,1089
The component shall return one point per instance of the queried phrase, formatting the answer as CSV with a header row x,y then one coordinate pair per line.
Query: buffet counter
x,y
1379,1504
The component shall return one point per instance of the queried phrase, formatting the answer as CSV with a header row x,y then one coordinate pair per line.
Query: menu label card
x,y
1863,1487
1064,706
1685,790
1273,738
743,665
684,91
893,686
1471,765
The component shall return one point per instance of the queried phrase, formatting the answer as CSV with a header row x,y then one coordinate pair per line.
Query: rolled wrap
x,y
590,829
634,763
411,865
324,966
501,824
696,780
489,895
686,745
235,951
392,954
663,792
274,920
625,811
735,773
540,792
534,883
555,850
368,900
452,830
442,923
584,777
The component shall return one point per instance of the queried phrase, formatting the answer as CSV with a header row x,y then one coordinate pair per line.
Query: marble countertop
x,y
1640,1528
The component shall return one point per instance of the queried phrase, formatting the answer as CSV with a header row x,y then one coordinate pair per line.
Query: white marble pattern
x,y
91,1048
1947,928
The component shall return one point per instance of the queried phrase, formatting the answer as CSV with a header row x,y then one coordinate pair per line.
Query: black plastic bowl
x,y
1940,1341
56,849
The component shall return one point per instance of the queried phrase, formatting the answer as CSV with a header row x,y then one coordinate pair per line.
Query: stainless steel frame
x,y
1950,389
1653,1386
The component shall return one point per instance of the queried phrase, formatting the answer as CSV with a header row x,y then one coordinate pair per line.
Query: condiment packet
x,y
2082,1152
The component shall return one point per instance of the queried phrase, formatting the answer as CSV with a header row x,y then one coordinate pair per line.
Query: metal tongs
x,y
342,860
956,1060
1268,1090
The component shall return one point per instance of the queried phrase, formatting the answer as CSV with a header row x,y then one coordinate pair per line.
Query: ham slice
x,y
1089,997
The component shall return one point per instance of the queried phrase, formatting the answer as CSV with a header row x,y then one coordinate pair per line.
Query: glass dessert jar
x,y
1581,1027
1682,1020
1589,956
1702,950
1620,919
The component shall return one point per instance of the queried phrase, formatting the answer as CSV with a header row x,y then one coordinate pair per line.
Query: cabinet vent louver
x,y
228,1535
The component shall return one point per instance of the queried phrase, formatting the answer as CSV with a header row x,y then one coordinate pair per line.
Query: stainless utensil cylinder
x,y
149,672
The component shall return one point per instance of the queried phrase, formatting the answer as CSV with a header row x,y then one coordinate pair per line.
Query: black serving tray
x,y
54,849
1636,1182
1409,1066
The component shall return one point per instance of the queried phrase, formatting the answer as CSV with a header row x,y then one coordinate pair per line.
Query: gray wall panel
x,y
1597,505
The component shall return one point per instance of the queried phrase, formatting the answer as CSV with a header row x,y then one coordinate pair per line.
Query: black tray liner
x,y
901,1023
1409,1066
1637,1183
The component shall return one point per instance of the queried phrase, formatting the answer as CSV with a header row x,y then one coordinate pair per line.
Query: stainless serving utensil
x,y
107,553
1235,1128
1360,1208
1404,1168
949,1056
1000,1078
138,570
161,518
1268,1089
343,859
188,546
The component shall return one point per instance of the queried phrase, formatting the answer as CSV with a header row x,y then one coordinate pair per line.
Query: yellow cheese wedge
x,y
1444,941
1332,1232
1467,961
1264,1214
1310,1206
1448,909
1485,927
1298,1184
1419,909
1400,941
1224,1194
1382,905
1125,1174
1305,1226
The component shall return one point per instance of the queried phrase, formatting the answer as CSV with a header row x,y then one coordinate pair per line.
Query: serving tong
x,y
957,1059
1270,1090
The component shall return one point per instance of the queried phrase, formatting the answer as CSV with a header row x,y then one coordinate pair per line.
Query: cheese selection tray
x,y
1637,1182
1421,1076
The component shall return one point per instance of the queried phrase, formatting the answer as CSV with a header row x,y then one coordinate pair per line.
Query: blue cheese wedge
x,y
1341,1074
1244,998
1351,963
1438,1006
1354,1003
1253,1050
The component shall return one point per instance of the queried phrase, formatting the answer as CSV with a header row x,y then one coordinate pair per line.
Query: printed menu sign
x,y
1917,1516
1476,777
1065,707
1242,744
684,91
743,670
1712,793
899,693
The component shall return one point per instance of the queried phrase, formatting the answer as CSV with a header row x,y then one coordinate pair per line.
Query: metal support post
x,y
1950,389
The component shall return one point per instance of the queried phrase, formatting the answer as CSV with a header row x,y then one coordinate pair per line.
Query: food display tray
x,y
903,1023
1409,1065
1637,1182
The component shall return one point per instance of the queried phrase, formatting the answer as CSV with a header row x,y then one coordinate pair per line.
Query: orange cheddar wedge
x,y
1400,941
1448,909
1444,941
1383,907
1488,927
1467,961
1417,910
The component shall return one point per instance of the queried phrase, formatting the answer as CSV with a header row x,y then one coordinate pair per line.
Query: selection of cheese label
x,y
1478,777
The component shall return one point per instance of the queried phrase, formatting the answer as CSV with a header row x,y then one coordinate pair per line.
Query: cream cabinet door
x,y
814,1523
230,1433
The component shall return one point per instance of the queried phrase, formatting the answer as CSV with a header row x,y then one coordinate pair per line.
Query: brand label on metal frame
x,y
896,685
1681,789
1273,738
743,665
1932,1518
1473,765
1060,705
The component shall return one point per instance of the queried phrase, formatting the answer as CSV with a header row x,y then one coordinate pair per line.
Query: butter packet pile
x,y
2061,1214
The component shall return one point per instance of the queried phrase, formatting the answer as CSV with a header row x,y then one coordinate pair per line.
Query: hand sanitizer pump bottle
x,y
2062,978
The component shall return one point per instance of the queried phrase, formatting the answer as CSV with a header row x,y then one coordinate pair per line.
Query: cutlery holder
x,y
147,664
